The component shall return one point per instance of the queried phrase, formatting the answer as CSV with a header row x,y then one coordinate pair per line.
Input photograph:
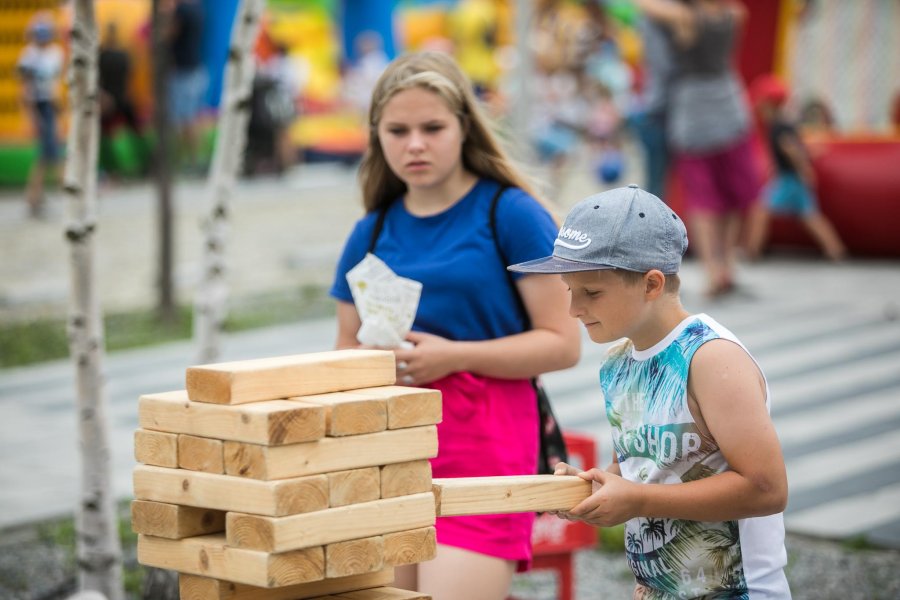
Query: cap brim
x,y
555,264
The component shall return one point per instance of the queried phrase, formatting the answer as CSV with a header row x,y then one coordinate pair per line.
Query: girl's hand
x,y
430,358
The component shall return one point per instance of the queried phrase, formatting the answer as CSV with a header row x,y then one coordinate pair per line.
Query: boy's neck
x,y
662,317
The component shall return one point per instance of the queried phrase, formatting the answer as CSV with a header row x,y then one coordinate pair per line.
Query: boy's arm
x,y
730,393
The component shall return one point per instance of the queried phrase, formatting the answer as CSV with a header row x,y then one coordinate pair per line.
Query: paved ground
x,y
827,336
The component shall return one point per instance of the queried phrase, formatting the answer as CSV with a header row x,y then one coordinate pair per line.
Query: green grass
x,y
612,539
44,339
61,533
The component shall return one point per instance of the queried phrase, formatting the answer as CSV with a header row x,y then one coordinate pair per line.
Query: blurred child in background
x,y
791,188
39,67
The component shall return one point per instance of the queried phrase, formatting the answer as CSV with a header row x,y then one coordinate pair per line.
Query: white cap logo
x,y
581,240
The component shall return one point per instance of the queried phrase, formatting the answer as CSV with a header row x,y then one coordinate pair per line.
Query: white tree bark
x,y
210,304
98,548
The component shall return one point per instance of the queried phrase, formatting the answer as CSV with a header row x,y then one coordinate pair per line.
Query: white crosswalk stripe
x,y
830,466
848,516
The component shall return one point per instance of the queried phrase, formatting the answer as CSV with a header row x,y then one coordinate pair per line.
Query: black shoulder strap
x,y
509,276
379,225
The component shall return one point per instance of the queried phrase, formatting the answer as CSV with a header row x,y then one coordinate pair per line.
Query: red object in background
x,y
858,183
759,38
554,540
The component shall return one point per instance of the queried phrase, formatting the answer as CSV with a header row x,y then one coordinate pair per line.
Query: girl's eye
x,y
433,128
397,131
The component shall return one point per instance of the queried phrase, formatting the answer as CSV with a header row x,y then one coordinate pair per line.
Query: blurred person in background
x,y
709,128
815,116
188,79
648,117
364,70
791,190
273,109
39,67
116,104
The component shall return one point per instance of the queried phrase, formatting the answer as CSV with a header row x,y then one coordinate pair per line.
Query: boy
x,y
697,472
790,191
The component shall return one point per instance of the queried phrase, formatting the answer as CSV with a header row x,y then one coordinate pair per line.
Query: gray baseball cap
x,y
623,228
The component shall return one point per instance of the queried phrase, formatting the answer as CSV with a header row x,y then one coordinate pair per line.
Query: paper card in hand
x,y
386,303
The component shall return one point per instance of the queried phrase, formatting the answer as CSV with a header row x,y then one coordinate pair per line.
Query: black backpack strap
x,y
509,275
379,225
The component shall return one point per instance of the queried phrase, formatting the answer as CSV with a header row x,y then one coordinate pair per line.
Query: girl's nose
x,y
416,141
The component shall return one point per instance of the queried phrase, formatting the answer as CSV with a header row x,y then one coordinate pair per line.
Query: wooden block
x,y
156,448
285,376
517,493
350,414
200,454
195,587
330,454
280,534
208,555
354,486
410,547
354,557
173,521
407,406
270,423
223,492
403,479
381,593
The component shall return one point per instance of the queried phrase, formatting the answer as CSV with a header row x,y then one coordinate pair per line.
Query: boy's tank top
x,y
656,440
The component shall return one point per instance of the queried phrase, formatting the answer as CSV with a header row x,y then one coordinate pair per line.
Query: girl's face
x,y
421,139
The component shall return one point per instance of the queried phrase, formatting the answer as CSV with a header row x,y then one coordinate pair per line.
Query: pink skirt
x,y
723,181
489,427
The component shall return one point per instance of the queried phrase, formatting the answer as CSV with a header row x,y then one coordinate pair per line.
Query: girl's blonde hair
x,y
436,72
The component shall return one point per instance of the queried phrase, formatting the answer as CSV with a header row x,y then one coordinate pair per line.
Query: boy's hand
x,y
614,500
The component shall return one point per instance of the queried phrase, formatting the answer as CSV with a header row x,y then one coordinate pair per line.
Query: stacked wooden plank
x,y
284,478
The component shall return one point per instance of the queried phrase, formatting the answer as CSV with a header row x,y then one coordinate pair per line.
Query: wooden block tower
x,y
285,478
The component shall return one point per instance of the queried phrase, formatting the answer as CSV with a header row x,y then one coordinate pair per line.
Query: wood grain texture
x,y
173,521
350,414
354,557
280,534
330,454
156,448
518,493
197,453
224,492
410,547
270,423
286,376
402,479
208,555
407,406
354,486
195,587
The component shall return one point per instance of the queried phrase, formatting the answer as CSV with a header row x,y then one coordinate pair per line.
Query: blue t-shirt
x,y
465,291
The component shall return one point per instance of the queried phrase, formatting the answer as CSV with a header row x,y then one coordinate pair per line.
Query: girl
x,y
429,177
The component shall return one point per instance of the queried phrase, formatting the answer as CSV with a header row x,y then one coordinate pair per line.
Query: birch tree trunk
x,y
98,548
162,163
212,294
